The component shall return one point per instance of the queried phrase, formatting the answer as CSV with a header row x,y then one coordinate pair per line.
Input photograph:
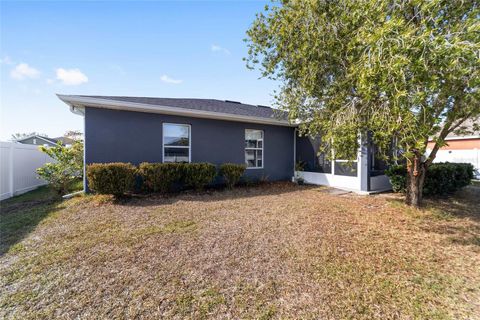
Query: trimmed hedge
x,y
441,178
120,178
231,173
161,177
198,175
111,178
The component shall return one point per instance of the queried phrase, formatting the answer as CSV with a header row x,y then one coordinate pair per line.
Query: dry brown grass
x,y
277,251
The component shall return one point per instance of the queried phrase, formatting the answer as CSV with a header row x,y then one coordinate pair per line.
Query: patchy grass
x,y
270,252
21,214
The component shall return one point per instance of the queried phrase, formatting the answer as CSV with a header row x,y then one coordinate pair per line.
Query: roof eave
x,y
77,105
36,136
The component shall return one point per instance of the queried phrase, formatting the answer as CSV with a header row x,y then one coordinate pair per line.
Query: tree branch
x,y
441,137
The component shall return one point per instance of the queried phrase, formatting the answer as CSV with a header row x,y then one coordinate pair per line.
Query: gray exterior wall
x,y
136,137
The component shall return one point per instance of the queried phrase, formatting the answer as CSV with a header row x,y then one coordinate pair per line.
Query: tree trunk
x,y
416,170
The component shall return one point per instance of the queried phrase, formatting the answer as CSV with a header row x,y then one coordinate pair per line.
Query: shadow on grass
x,y
211,194
456,216
21,214
464,204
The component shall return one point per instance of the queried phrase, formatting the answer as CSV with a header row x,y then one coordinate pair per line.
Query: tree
x,y
74,135
402,70
66,168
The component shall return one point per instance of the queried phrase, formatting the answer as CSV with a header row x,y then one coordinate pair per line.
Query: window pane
x,y
253,158
250,158
253,134
250,143
176,155
176,135
253,148
250,154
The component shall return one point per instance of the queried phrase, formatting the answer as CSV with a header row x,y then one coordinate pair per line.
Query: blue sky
x,y
160,49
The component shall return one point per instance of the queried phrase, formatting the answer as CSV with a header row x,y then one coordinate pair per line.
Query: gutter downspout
x,y
294,154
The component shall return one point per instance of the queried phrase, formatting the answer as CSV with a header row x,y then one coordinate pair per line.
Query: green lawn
x,y
276,251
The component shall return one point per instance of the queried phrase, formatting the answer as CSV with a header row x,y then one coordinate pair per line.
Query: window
x,y
176,142
254,148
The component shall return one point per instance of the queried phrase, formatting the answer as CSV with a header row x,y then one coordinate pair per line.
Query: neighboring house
x,y
460,148
138,129
66,141
45,141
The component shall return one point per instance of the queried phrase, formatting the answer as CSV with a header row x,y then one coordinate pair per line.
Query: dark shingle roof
x,y
211,105
37,136
63,140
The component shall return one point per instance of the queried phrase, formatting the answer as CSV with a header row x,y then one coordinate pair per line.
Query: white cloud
x,y
23,70
167,79
217,48
71,77
6,60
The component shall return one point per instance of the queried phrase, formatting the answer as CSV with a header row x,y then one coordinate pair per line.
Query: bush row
x,y
120,178
441,178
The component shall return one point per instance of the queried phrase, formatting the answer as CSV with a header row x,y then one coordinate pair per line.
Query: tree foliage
x,y
67,165
405,70
73,134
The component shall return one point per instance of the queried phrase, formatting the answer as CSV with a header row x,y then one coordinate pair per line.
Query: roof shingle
x,y
212,105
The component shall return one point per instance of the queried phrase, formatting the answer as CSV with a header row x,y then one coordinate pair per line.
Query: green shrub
x,y
161,177
231,173
111,178
67,167
198,175
441,178
398,177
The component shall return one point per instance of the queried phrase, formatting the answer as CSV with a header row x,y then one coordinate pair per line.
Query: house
x,y
140,129
463,148
45,141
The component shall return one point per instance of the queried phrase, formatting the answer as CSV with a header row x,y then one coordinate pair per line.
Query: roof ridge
x,y
178,99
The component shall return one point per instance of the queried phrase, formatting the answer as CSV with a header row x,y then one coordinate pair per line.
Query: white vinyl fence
x,y
462,156
18,165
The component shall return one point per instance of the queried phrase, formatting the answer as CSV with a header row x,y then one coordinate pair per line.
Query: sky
x,y
189,49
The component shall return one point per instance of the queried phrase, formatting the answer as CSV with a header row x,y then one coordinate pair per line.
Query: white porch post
x,y
362,164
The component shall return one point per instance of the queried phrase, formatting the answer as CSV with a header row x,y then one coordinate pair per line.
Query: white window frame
x,y
180,147
262,149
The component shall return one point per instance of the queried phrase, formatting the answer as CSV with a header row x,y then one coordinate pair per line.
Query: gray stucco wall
x,y
124,136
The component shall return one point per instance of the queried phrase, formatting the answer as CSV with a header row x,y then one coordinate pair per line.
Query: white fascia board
x,y
79,103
